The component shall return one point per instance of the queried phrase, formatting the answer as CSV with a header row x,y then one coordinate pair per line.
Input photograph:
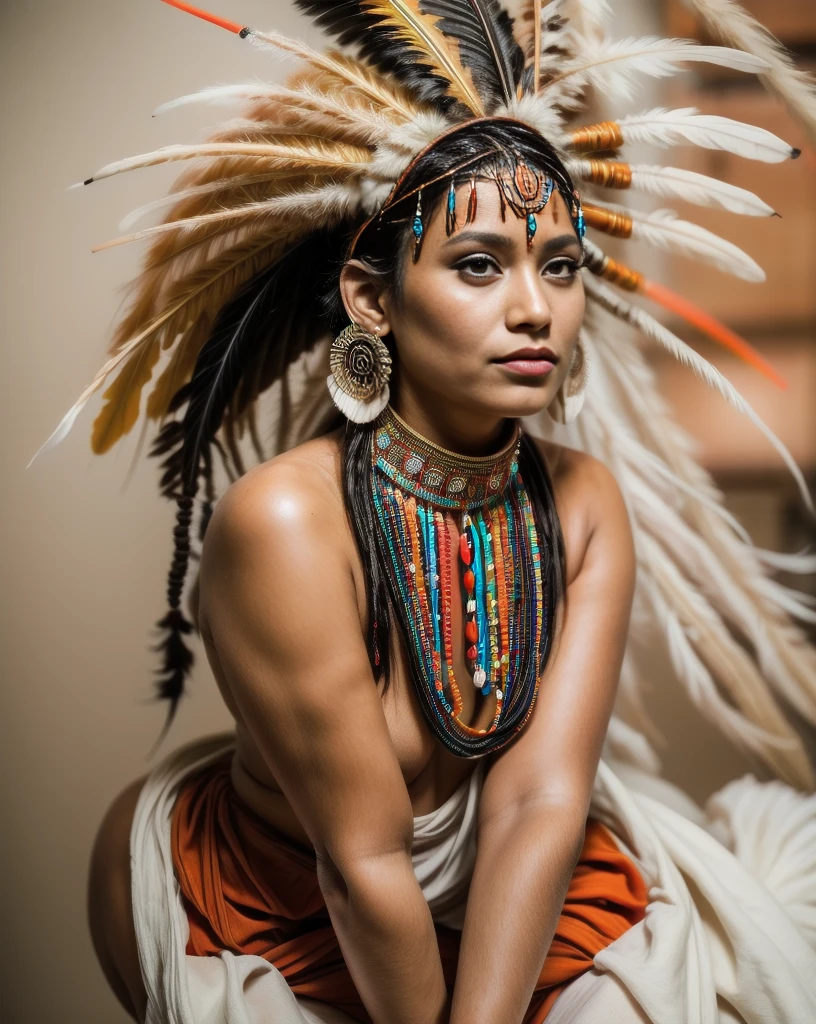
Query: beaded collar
x,y
494,562
435,475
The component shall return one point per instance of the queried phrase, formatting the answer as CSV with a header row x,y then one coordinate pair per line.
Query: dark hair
x,y
272,321
474,150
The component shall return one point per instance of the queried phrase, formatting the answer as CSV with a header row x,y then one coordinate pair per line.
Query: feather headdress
x,y
223,314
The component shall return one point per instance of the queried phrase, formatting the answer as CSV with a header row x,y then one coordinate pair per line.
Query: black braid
x,y
177,658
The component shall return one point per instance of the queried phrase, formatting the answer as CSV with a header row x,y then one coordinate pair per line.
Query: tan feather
x,y
414,28
179,368
352,73
324,204
288,153
122,399
178,253
204,291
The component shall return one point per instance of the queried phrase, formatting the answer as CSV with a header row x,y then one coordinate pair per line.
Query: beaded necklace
x,y
497,564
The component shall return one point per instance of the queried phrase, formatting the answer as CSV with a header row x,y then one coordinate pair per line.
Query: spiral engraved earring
x,y
569,399
360,368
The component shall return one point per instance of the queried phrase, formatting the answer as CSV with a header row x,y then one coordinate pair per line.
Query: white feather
x,y
664,127
679,183
538,112
222,185
328,203
623,412
699,189
736,26
661,127
223,95
169,154
352,408
653,329
665,230
66,423
614,62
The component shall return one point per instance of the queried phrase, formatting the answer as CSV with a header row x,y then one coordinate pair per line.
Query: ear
x,y
364,297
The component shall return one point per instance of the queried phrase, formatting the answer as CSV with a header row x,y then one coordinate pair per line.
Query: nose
x,y
528,310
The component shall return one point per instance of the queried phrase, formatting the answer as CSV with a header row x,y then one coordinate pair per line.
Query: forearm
x,y
386,933
520,880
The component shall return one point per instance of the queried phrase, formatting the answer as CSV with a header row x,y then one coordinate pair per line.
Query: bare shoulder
x,y
591,507
294,496
281,527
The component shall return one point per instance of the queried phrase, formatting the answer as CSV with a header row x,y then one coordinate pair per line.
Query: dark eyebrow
x,y
484,237
504,242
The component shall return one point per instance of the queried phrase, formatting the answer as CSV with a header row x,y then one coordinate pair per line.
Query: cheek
x,y
568,313
439,323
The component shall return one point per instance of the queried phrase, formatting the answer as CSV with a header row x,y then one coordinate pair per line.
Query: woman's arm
x,y
536,794
278,596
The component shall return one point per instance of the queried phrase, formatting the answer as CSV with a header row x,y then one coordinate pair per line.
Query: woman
x,y
336,848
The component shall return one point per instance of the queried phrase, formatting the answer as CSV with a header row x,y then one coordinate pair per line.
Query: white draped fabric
x,y
729,935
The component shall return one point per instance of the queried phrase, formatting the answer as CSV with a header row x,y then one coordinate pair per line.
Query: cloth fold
x,y
727,936
249,889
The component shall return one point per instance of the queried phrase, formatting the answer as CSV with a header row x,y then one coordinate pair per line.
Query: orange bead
x,y
469,580
471,632
464,550
471,653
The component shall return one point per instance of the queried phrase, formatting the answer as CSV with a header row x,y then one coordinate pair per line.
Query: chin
x,y
516,401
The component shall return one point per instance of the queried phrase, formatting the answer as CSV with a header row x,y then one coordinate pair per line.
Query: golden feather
x,y
353,73
439,53
202,293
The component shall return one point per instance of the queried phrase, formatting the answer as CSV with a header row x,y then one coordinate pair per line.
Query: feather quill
x,y
649,55
661,127
734,25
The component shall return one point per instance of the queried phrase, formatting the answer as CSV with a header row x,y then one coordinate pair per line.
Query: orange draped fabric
x,y
249,888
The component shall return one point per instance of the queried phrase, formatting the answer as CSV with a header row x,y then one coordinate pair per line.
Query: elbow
x,y
564,824
348,873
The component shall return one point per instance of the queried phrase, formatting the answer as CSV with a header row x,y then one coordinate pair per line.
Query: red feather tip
x,y
712,327
230,26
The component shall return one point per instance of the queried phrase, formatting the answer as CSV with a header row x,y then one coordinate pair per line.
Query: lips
x,y
529,362
529,354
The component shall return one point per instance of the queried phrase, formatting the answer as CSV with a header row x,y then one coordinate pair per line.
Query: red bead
x,y
471,653
469,580
464,550
471,632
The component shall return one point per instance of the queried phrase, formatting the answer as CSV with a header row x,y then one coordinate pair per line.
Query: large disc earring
x,y
360,368
569,399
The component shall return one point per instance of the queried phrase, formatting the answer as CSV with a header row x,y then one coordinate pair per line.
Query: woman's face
x,y
482,322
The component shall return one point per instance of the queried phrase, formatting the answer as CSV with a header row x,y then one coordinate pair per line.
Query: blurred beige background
x,y
86,543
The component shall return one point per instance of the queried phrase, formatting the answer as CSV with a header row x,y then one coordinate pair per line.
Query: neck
x,y
456,429
441,476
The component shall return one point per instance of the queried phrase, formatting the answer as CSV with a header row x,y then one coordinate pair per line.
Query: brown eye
x,y
562,269
478,266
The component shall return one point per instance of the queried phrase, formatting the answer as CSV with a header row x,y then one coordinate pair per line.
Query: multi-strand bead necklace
x,y
415,485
